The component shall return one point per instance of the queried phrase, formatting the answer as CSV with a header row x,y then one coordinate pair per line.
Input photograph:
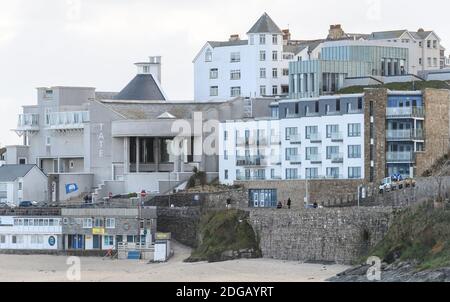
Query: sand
x,y
19,268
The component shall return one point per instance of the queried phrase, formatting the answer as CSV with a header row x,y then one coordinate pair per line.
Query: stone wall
x,y
320,235
181,222
436,128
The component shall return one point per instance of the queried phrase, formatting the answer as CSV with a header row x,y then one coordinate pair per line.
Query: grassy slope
x,y
224,231
398,86
420,233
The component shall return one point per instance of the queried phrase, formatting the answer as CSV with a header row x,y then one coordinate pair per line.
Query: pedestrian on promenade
x,y
289,203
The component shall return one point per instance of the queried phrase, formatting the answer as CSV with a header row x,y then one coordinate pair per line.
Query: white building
x,y
22,182
318,145
254,67
30,233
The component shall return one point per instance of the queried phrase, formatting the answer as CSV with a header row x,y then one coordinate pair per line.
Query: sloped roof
x,y
265,25
421,34
10,173
142,88
393,34
215,44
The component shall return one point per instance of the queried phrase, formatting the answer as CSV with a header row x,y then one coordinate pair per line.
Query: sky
x,y
94,43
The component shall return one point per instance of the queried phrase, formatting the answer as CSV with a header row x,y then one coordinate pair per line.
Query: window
x,y
20,186
435,62
235,75
354,130
285,72
225,155
214,90
208,55
275,73
291,152
99,222
291,132
238,174
262,39
284,89
226,174
48,141
262,55
262,73
274,55
429,61
312,173
48,94
420,61
291,173
332,172
332,151
434,43
428,43
214,73
274,90
332,129
225,135
235,91
262,90
110,223
354,151
87,223
275,39
354,172
3,191
235,57
309,130
2,239
108,240
311,153
71,164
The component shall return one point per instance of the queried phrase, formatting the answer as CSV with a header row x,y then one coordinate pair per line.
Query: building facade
x,y
255,67
359,139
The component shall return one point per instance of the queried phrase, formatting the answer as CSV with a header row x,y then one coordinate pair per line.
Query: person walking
x,y
289,203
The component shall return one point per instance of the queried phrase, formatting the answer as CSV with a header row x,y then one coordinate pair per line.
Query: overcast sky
x,y
95,42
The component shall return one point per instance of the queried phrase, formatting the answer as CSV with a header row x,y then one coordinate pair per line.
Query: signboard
x,y
98,231
163,236
51,241
71,188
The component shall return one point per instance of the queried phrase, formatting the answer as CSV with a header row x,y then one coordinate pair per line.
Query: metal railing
x,y
28,120
69,119
250,161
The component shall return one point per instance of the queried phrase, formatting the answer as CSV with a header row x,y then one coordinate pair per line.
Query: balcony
x,y
28,122
400,157
251,178
337,137
295,159
295,139
334,176
312,114
314,158
315,138
71,120
275,140
249,161
355,111
402,135
405,112
337,158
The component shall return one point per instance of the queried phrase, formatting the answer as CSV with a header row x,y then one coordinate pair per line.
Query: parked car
x,y
26,204
3,205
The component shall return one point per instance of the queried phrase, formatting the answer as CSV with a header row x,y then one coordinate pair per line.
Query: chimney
x,y
335,32
234,38
420,30
152,67
286,35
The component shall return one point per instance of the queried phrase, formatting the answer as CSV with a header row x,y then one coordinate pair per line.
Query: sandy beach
x,y
18,268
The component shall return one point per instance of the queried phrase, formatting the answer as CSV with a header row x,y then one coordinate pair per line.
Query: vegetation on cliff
x,y
419,234
398,86
225,235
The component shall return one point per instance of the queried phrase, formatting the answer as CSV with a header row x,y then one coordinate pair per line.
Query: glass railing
x,y
337,136
28,120
337,158
314,157
405,134
295,159
400,156
250,161
295,138
69,119
251,178
405,112
315,137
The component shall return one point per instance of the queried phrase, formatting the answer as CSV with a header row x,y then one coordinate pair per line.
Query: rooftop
x,y
9,173
265,24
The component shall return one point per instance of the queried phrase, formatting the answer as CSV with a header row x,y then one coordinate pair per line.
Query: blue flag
x,y
71,188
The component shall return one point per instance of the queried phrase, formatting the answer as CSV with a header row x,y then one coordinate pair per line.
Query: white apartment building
x,y
318,145
255,67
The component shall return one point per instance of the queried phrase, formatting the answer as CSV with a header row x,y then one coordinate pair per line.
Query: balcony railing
x,y
315,137
28,121
334,176
251,161
355,111
275,140
295,139
399,112
337,158
251,178
409,134
400,157
314,158
295,159
67,120
337,136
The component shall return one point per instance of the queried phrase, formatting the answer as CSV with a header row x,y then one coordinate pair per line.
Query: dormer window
x,y
208,56
146,69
